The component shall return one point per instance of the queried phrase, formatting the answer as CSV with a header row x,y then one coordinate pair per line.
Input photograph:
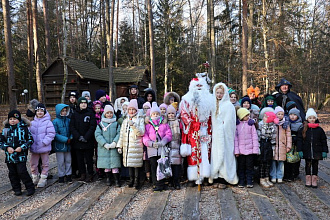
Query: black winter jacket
x,y
83,123
314,144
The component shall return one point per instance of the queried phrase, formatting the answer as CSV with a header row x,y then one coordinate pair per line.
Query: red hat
x,y
271,116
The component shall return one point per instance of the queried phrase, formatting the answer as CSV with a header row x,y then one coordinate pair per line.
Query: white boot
x,y
42,182
35,179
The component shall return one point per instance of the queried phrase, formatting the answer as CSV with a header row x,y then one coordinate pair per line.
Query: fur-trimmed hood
x,y
169,95
225,97
152,92
118,105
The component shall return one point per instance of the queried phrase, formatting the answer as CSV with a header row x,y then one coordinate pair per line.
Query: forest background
x,y
246,42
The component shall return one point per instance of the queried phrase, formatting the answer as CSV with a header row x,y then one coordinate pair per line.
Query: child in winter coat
x,y
43,132
283,145
312,146
130,142
98,109
82,127
156,136
291,170
15,140
163,109
246,146
62,143
123,113
267,139
107,135
175,157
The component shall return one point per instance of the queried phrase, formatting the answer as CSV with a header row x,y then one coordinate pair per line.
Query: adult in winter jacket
x,y
15,140
107,136
150,96
82,127
62,142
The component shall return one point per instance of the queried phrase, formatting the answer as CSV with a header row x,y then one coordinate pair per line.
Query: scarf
x,y
295,125
312,125
281,122
107,120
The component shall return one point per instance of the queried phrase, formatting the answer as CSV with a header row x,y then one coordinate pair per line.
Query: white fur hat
x,y
311,112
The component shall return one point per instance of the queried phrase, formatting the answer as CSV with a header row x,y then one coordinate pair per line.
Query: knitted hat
x,y
278,109
271,117
171,109
310,112
73,93
97,102
82,100
41,106
294,111
125,103
99,93
290,105
147,104
154,108
264,110
133,104
108,108
163,106
242,112
244,99
14,114
85,93
175,105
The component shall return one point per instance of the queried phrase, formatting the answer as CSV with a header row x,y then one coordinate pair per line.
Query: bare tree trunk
x,y
58,27
47,38
110,47
101,33
244,48
145,33
264,34
36,51
250,34
65,70
133,11
117,33
212,41
9,55
152,47
29,45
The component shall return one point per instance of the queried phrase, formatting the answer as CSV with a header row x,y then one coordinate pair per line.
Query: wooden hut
x,y
86,76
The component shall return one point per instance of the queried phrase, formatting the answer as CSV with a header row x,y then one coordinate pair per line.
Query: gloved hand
x,y
80,138
83,140
107,146
237,121
301,154
285,125
113,145
130,122
120,151
251,122
324,155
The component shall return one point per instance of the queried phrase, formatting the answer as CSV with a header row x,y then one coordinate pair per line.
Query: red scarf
x,y
311,125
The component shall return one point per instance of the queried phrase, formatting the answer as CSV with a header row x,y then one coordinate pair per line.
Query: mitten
x,y
130,122
120,151
113,145
81,138
285,124
107,146
251,122
324,155
301,154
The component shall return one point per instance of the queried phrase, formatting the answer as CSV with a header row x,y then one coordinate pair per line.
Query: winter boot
x,y
264,183
69,178
35,179
108,181
136,183
61,180
89,178
314,181
82,177
269,182
43,181
117,179
308,181
30,191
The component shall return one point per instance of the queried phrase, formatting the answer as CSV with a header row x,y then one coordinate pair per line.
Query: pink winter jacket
x,y
246,139
150,137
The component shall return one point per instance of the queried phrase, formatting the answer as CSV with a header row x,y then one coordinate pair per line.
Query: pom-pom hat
x,y
14,114
242,112
133,104
271,117
154,108
310,112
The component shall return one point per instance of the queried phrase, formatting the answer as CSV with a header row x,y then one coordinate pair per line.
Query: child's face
x,y
233,98
83,105
280,115
103,99
293,117
87,97
171,115
124,108
172,100
311,119
122,101
13,121
270,102
63,112
155,114
149,97
246,117
145,109
246,105
219,93
72,99
252,95
131,111
264,119
162,110
108,114
40,113
97,108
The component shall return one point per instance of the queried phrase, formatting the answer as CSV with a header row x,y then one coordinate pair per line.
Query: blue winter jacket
x,y
62,129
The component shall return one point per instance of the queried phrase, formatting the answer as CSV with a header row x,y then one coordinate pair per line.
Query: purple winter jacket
x,y
246,139
43,132
150,136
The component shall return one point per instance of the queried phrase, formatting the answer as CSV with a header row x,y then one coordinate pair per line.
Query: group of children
x,y
126,137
